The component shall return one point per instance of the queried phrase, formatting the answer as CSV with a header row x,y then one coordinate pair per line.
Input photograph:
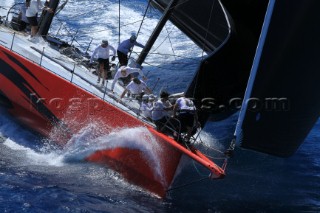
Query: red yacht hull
x,y
59,109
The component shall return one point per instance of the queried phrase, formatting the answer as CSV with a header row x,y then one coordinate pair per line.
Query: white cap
x,y
145,97
152,97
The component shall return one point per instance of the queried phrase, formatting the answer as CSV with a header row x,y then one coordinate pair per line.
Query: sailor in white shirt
x,y
160,112
33,7
147,106
125,72
137,89
185,111
102,52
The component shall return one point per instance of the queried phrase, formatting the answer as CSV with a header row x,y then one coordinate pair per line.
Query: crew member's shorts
x,y
105,62
33,20
186,119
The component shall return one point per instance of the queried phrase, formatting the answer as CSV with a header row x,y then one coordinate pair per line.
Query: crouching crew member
x,y
137,88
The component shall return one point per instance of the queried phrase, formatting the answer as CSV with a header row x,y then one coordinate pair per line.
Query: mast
x,y
157,31
46,18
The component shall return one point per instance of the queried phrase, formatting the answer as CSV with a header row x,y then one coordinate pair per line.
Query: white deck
x,y
41,53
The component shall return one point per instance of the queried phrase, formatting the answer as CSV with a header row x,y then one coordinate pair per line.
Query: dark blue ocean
x,y
36,176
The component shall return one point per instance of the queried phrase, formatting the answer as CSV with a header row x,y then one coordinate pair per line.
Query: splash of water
x,y
34,158
88,141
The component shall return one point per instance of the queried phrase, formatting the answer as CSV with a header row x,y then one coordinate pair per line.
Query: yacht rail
x,y
66,67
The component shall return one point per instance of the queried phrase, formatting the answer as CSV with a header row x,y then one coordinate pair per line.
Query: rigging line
x,y
209,22
198,134
61,7
73,39
194,61
165,54
196,75
144,16
131,23
153,10
119,22
63,23
171,43
215,158
213,149
196,168
230,151
157,30
86,33
179,4
161,67
196,83
145,13
187,184
70,17
73,35
209,147
162,42
4,7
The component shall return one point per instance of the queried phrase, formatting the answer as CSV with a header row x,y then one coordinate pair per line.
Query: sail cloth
x,y
284,102
203,21
221,78
228,30
286,87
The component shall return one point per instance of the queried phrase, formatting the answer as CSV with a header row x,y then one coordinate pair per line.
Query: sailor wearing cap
x,y
147,105
125,71
32,9
161,109
102,52
137,88
185,111
125,47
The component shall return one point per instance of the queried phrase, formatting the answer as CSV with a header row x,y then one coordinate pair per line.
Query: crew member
x,y
185,111
124,49
22,16
33,7
125,72
103,53
147,106
137,88
160,113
